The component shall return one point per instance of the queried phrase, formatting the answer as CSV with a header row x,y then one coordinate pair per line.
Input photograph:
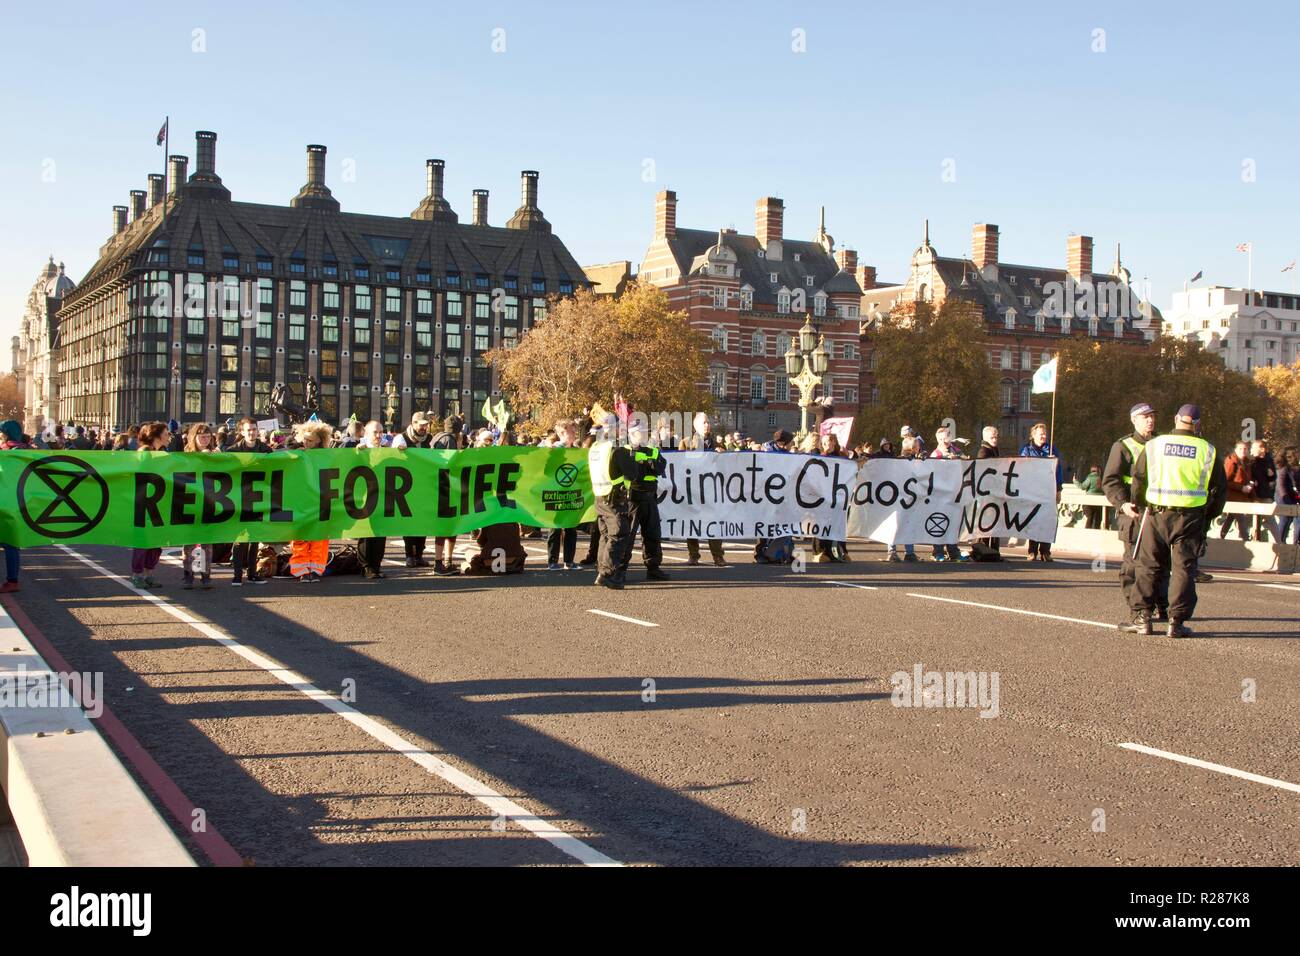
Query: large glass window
x,y
229,397
361,296
230,358
297,327
361,329
329,328
455,305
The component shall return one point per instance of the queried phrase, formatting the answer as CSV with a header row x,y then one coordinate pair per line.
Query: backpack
x,y
778,550
344,561
443,440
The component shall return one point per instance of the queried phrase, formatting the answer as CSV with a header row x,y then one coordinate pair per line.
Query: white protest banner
x,y
748,495
941,501
268,424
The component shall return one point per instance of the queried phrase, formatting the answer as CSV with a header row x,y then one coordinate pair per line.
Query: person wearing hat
x,y
643,490
416,436
612,469
1179,478
1117,485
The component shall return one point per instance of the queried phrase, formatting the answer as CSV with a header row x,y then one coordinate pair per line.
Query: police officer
x,y
1180,478
1116,485
644,491
612,468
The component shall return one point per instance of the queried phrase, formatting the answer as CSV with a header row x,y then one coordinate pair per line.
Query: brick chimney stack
x,y
847,260
984,249
866,276
1078,258
480,207
768,219
155,189
666,214
119,219
137,203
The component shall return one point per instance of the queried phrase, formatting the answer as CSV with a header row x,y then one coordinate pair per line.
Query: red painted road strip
x,y
212,843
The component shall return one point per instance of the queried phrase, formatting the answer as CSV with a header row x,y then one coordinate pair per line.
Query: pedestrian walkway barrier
x,y
72,800
1256,555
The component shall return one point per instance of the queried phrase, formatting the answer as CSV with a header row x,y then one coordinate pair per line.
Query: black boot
x,y
1178,629
1141,623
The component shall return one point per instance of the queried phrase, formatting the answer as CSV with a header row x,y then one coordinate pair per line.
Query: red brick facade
x,y
752,293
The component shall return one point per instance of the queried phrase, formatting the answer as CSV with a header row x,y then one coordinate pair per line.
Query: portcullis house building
x,y
199,304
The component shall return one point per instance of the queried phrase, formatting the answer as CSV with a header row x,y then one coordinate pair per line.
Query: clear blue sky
x,y
1143,143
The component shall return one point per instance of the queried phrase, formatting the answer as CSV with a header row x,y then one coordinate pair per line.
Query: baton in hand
x,y
1138,540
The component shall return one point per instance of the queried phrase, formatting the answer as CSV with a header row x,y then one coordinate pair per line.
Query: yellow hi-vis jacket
x,y
599,457
1178,471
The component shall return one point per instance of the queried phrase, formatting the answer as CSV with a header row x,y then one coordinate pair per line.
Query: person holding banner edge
x,y
1181,480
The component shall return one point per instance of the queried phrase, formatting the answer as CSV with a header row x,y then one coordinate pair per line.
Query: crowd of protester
x,y
1253,475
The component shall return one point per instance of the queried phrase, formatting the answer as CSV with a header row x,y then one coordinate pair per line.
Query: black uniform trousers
x,y
415,548
614,514
1167,558
1128,529
645,506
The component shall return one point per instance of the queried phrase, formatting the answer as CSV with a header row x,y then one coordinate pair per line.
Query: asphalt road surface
x,y
738,715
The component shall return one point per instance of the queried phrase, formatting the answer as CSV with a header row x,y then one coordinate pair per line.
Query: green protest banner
x,y
148,499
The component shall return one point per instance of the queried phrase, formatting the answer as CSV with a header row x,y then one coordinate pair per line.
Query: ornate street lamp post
x,y
806,362
390,391
176,393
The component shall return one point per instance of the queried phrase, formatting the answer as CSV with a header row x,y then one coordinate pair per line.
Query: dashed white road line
x,y
499,805
1216,767
847,584
620,617
1015,610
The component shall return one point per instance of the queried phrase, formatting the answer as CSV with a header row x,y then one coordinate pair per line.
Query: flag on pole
x,y
622,408
1199,273
1289,267
162,132
1045,378
1243,247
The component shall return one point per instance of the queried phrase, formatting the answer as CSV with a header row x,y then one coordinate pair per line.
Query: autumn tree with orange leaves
x,y
590,347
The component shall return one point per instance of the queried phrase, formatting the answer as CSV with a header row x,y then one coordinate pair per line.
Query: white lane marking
x,y
499,805
620,617
846,584
1280,587
1015,610
1216,767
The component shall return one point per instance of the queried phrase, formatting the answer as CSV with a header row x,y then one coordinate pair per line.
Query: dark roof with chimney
x,y
202,218
997,297
814,260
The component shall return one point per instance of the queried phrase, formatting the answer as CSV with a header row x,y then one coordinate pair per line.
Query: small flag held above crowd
x,y
1045,378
